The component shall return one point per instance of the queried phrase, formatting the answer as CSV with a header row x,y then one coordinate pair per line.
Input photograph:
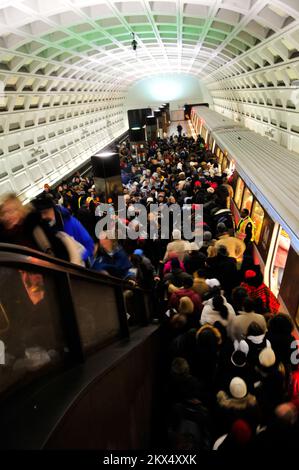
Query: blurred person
x,y
194,260
282,339
245,228
257,341
237,403
110,258
186,291
234,245
172,265
223,268
271,386
179,129
86,216
238,439
146,274
239,294
199,282
217,309
182,385
178,246
239,325
21,225
257,290
59,219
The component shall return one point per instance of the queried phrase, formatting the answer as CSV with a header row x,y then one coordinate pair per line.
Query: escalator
x,y
79,356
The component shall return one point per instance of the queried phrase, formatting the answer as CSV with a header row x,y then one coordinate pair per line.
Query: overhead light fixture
x,y
105,154
135,128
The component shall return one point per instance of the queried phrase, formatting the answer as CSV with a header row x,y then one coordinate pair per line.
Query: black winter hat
x,y
43,202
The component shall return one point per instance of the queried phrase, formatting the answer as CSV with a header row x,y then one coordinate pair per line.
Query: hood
x,y
256,339
210,301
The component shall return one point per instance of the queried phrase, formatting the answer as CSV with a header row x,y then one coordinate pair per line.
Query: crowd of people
x,y
229,351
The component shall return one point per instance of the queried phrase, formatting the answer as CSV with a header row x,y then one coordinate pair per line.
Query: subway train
x,y
256,165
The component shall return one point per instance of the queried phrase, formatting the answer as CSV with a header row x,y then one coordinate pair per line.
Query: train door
x,y
220,158
224,163
204,134
289,291
196,124
201,128
279,259
247,200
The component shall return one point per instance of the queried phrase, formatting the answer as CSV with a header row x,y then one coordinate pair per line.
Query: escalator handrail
x,y
17,255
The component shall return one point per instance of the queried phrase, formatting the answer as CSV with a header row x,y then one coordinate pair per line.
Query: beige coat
x,y
239,326
234,246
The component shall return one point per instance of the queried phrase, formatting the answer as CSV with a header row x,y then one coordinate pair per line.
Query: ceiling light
x,y
105,154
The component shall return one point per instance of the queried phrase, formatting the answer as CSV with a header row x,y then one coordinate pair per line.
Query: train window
x,y
247,200
257,216
282,251
239,192
224,164
232,166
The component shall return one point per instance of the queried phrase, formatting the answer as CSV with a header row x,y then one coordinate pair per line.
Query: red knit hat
x,y
241,431
249,273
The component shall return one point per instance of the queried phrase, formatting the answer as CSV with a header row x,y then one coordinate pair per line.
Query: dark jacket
x,y
176,277
88,220
116,264
224,269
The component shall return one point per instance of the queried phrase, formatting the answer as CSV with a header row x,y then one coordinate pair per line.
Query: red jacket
x,y
263,292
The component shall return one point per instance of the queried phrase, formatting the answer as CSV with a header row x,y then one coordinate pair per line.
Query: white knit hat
x,y
238,387
267,357
213,283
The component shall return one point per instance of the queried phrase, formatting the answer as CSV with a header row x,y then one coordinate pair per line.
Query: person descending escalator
x,y
59,219
22,225
111,259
